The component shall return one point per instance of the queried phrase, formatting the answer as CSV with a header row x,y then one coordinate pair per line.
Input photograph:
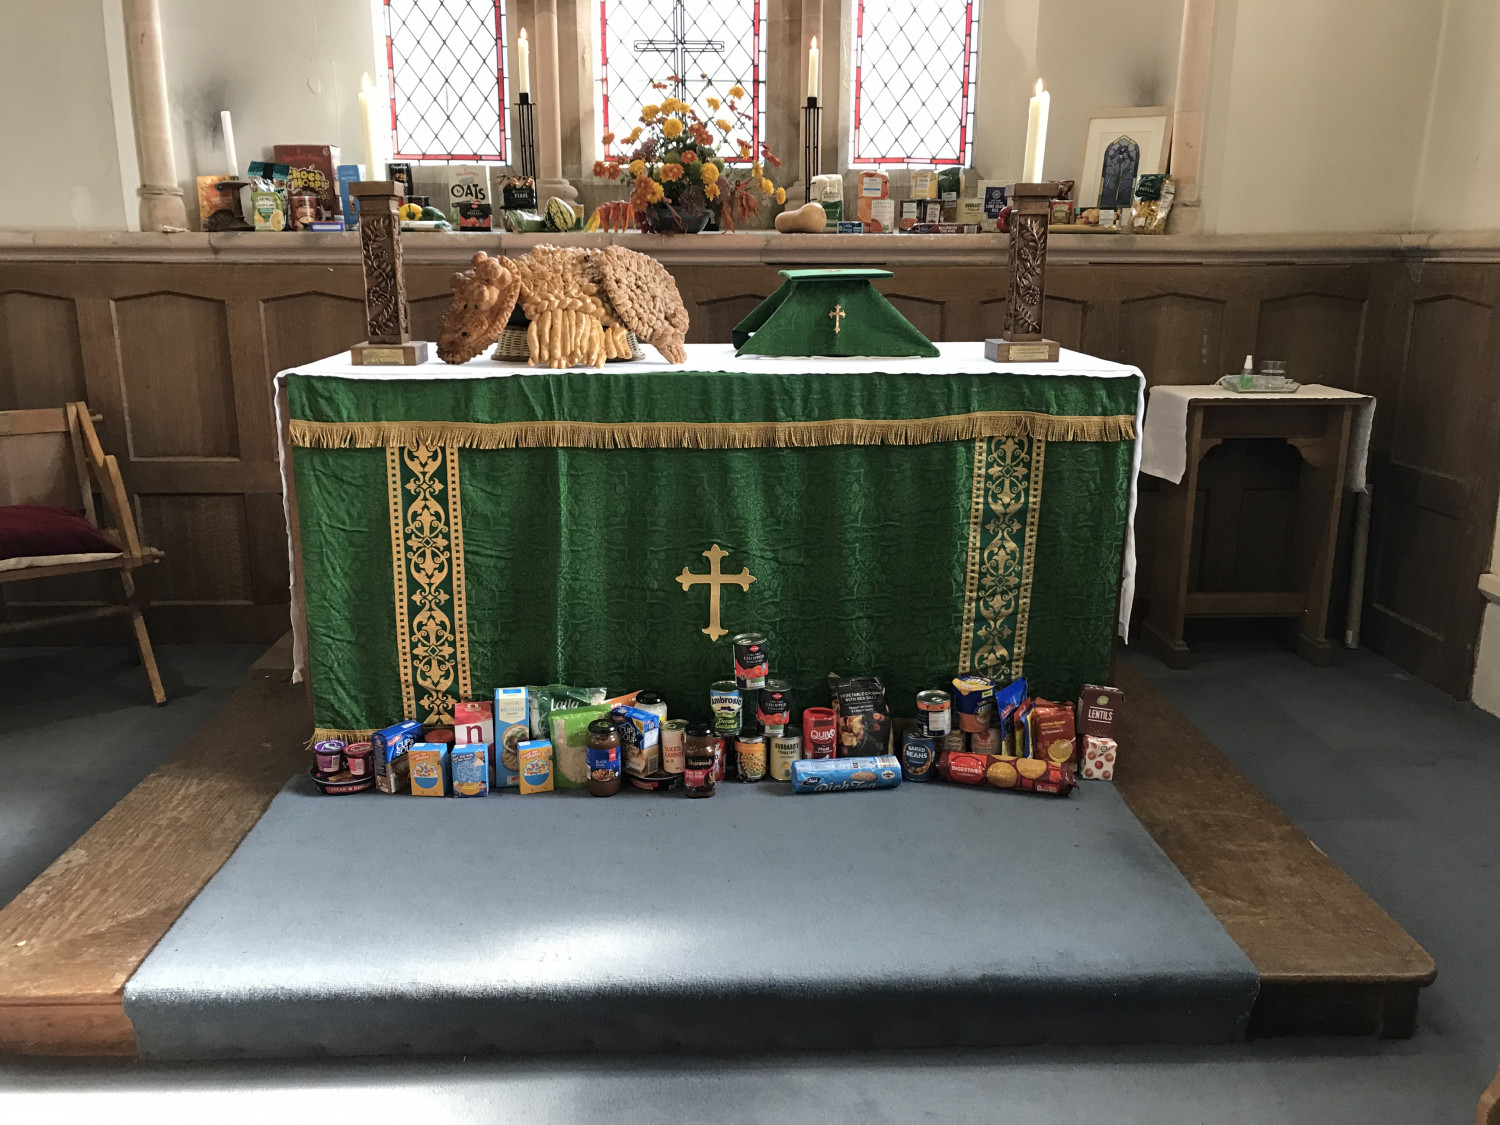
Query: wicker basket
x,y
512,346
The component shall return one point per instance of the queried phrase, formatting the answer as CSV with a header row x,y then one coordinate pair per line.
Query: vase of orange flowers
x,y
675,165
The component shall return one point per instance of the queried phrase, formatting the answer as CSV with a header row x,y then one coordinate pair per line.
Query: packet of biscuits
x,y
862,717
1055,738
1001,771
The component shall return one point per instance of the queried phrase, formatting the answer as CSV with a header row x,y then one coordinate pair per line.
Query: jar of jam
x,y
602,754
701,755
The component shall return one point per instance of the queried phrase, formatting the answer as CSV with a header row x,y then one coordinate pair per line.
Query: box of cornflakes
x,y
536,766
512,719
470,768
430,769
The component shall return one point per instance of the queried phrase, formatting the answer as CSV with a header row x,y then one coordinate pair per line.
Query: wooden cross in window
x,y
680,48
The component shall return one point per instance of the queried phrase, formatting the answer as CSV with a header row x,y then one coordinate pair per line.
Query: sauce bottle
x,y
701,754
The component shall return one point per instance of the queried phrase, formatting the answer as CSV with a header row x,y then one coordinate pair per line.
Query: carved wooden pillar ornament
x,y
387,319
1022,340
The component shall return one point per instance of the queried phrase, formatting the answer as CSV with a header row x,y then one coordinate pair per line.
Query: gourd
x,y
810,218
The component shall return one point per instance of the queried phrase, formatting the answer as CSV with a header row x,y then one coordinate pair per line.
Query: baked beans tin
x,y
726,703
359,759
820,732
935,712
786,748
975,696
750,756
774,707
752,660
918,756
328,755
674,745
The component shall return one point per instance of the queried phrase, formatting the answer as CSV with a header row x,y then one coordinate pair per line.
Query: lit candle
x,y
523,58
230,156
369,119
1036,135
812,69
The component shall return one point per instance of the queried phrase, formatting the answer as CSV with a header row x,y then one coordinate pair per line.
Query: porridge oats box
x,y
512,718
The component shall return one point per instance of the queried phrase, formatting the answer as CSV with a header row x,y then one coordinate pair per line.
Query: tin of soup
x,y
935,712
752,660
786,748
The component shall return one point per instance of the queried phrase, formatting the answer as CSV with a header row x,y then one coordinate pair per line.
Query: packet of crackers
x,y
1056,739
1001,771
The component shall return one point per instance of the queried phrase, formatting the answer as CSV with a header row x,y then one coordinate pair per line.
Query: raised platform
x,y
1327,957
928,915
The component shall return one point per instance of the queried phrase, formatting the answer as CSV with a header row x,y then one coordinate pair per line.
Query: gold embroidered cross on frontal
x,y
837,316
714,581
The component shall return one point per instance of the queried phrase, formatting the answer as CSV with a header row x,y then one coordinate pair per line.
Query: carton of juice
x,y
512,720
536,766
430,769
470,769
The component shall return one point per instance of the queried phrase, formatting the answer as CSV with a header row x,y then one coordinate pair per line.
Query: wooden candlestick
x,y
1022,340
387,319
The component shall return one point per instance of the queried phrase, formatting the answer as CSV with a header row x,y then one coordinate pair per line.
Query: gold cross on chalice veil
x,y
837,316
714,581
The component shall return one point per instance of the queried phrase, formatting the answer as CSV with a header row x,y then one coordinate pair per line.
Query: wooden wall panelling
x,y
175,370
41,356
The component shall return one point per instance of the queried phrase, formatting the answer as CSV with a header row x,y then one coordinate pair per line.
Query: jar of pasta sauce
x,y
602,755
701,757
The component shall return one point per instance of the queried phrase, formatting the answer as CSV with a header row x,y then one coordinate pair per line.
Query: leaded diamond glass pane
x,y
448,90
710,46
915,69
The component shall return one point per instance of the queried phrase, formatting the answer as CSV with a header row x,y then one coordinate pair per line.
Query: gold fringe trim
x,y
712,435
321,733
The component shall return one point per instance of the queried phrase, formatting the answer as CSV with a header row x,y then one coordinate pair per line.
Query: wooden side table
x,y
1320,429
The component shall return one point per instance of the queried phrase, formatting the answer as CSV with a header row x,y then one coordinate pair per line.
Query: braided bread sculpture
x,y
581,304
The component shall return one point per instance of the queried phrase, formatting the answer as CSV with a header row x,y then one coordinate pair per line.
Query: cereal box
x,y
512,719
348,174
208,197
536,766
473,721
470,767
312,168
430,769
390,746
640,739
1099,757
570,733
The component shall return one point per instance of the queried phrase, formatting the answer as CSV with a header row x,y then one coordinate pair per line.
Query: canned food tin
x,y
786,748
976,701
954,742
750,756
673,745
820,732
359,759
725,701
752,660
918,756
774,708
985,741
935,712
329,755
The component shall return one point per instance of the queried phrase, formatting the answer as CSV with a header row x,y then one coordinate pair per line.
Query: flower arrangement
x,y
674,160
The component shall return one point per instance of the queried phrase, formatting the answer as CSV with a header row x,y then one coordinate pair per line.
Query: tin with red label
x,y
359,759
985,741
774,708
820,732
935,712
673,745
752,660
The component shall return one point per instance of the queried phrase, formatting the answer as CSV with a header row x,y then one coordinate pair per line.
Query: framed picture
x,y
1118,146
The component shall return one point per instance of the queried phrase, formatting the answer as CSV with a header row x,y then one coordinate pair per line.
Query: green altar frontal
x,y
488,526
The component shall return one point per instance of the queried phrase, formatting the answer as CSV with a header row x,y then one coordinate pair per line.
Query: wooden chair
x,y
1488,1112
53,457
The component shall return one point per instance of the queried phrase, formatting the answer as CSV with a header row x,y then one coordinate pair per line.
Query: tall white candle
x,y
523,64
1036,135
230,156
369,120
812,69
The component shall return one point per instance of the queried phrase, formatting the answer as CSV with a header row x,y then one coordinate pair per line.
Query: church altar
x,y
458,528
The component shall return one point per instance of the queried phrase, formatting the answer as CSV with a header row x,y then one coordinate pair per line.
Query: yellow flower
x,y
637,167
736,91
710,188
723,125
755,169
656,193
710,174
713,103
766,186
672,105
781,195
633,136
649,113
671,128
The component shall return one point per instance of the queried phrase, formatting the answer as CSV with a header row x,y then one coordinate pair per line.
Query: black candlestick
x,y
812,145
526,127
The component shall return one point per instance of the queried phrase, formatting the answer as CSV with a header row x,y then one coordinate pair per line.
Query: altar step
x,y
759,920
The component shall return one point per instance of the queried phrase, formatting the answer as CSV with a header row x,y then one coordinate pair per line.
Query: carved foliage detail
x,y
1028,263
385,293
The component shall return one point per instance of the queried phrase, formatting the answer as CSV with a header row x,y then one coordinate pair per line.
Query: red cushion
x,y
27,530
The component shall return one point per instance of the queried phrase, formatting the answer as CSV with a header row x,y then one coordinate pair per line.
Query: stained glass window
x,y
709,47
448,86
914,73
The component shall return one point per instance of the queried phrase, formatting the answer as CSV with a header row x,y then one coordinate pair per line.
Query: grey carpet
x,y
758,920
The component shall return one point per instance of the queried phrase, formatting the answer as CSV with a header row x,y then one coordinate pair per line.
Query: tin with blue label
x,y
918,756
